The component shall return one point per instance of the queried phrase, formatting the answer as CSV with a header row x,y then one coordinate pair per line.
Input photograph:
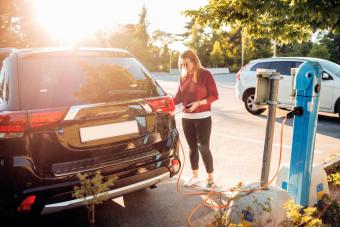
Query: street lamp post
x,y
170,53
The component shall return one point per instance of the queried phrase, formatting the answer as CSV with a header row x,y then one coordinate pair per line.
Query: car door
x,y
327,87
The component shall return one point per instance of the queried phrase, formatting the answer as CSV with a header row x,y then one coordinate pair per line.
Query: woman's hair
x,y
192,56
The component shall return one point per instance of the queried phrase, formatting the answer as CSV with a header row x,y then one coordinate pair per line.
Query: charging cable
x,y
297,111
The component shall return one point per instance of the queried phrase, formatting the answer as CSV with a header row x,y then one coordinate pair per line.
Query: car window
x,y
53,81
261,65
332,67
283,67
326,76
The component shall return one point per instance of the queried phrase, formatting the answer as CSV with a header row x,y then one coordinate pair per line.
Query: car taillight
x,y
175,162
26,204
238,75
41,118
12,123
162,105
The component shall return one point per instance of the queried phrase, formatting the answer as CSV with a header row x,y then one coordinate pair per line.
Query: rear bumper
x,y
56,207
239,90
55,194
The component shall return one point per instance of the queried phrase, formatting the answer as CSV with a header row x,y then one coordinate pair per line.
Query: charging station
x,y
306,184
301,181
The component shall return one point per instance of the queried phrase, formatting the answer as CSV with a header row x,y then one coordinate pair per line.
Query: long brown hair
x,y
192,56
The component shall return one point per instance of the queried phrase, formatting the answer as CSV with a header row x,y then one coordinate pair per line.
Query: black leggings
x,y
197,133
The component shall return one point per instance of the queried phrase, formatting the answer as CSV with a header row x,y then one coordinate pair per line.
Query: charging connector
x,y
297,111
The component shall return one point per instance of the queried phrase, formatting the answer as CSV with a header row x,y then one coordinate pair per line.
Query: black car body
x,y
70,111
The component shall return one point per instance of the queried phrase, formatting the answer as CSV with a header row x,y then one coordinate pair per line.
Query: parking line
x,y
252,140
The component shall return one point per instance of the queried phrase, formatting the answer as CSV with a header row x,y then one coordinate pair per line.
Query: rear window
x,y
53,81
283,67
261,65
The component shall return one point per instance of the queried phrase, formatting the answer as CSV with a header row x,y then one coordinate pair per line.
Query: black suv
x,y
70,111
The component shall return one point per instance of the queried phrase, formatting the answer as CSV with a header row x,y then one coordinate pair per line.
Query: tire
x,y
337,107
249,103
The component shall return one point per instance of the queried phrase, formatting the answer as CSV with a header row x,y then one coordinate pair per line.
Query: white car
x,y
330,86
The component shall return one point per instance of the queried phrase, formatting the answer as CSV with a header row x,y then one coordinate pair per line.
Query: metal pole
x,y
267,152
274,48
170,61
242,49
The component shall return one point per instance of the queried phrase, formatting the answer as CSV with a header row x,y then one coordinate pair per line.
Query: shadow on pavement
x,y
328,125
162,206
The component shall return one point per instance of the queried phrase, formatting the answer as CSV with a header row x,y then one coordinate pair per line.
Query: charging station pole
x,y
266,94
308,85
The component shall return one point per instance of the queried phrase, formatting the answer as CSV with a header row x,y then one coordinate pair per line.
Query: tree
x,y
9,18
332,42
161,38
142,27
94,187
198,39
319,51
295,49
284,21
217,56
18,26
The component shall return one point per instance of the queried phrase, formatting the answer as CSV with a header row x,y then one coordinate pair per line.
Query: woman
x,y
196,92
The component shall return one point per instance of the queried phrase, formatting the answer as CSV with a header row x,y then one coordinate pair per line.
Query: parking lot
x,y
237,145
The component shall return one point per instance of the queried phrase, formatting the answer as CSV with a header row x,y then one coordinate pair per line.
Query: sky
x,y
69,20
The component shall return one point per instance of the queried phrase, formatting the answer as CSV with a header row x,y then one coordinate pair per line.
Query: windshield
x,y
53,81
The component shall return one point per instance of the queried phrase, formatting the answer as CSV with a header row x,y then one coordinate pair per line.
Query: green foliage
x,y
325,215
93,188
301,217
217,56
334,179
18,26
319,51
330,211
258,19
284,21
222,218
332,42
294,49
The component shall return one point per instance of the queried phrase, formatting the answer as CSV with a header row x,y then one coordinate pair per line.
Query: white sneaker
x,y
208,185
191,182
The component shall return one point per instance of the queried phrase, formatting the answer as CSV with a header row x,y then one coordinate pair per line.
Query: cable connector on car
x,y
297,111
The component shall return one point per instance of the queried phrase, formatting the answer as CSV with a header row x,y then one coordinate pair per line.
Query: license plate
x,y
108,130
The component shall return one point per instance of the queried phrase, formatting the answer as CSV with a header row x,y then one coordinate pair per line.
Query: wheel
x,y
249,103
337,107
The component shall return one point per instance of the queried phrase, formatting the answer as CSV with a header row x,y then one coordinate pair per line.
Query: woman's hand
x,y
193,106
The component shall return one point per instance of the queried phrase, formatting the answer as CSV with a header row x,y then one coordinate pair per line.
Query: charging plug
x,y
297,111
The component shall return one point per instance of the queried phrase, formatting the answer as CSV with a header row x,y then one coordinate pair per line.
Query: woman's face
x,y
187,65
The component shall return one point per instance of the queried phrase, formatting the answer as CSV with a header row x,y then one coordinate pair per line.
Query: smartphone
x,y
188,106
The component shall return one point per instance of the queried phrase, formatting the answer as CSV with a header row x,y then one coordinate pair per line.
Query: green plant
x,y
329,211
334,179
297,216
222,217
92,190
